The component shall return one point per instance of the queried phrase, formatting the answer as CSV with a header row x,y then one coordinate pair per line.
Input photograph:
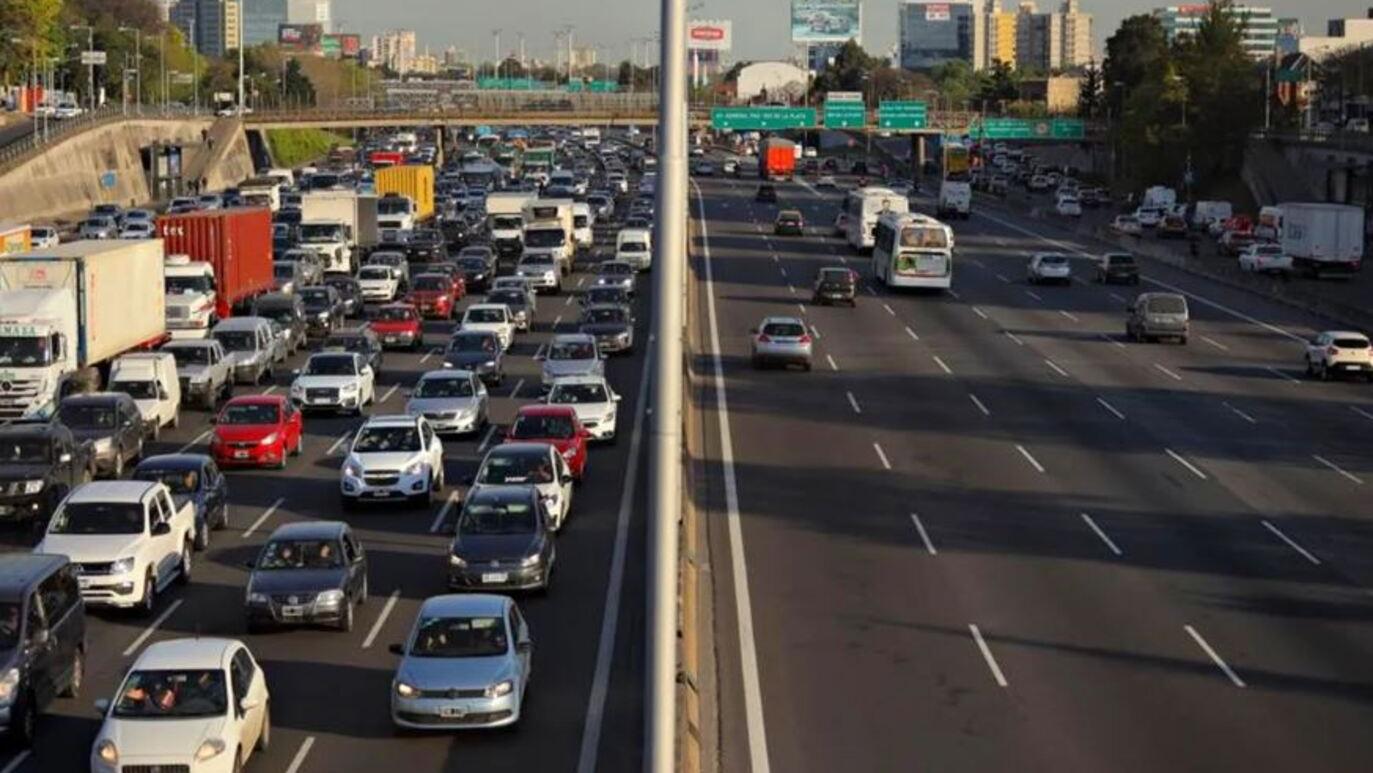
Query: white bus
x,y
912,250
864,206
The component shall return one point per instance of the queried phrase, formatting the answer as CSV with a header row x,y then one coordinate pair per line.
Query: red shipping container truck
x,y
385,158
776,159
237,243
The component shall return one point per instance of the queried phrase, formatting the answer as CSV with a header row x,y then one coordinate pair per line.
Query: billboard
x,y
300,38
335,46
710,35
937,12
826,21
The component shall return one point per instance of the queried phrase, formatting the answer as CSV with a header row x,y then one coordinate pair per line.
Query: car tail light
x,y
805,339
763,338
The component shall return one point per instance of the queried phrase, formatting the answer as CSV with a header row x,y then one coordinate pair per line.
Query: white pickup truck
x,y
127,538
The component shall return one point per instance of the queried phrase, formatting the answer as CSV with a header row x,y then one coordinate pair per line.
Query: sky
x,y
760,26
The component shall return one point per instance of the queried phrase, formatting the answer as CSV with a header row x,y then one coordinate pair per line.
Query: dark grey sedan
x,y
611,324
502,541
111,423
308,573
478,351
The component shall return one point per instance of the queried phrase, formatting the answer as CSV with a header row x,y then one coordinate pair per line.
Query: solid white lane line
x,y
381,619
262,518
301,754
486,439
1241,414
1167,372
1191,467
912,334
833,366
942,366
1097,529
924,537
980,312
1015,338
516,391
442,515
269,390
853,401
1291,543
152,627
1003,278
16,762
748,651
889,309
1102,402
1337,468
1215,343
987,656
198,440
1057,369
388,393
344,438
1282,374
1069,315
1362,412
979,404
1034,295
881,455
1029,458
1215,658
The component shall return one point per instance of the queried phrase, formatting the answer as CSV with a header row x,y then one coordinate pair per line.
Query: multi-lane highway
x,y
989,533
330,690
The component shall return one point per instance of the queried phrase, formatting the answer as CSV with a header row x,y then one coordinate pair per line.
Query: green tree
x,y
1134,55
296,87
851,70
31,33
1090,98
1221,93
999,83
958,85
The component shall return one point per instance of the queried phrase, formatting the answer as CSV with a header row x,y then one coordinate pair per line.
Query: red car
x,y
398,324
556,425
436,295
256,431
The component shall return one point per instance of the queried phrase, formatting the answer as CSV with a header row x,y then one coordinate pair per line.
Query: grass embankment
x,y
295,147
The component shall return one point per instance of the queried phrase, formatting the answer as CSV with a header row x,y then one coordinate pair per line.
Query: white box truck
x,y
1323,239
548,230
67,311
505,220
338,226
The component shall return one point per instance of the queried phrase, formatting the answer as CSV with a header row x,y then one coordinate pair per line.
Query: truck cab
x,y
150,379
332,241
549,230
396,211
37,327
191,296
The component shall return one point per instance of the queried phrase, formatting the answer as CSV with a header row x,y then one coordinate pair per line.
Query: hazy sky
x,y
760,26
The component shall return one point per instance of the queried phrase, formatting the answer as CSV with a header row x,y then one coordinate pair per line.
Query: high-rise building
x,y
1340,35
311,12
1258,26
818,55
933,33
395,49
1078,49
204,23
1053,41
261,18
1000,26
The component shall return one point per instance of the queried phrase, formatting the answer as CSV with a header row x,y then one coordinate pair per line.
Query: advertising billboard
x,y
937,12
826,21
710,35
300,38
336,46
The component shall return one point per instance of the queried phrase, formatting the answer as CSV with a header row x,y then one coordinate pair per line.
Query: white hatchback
x,y
596,404
1049,267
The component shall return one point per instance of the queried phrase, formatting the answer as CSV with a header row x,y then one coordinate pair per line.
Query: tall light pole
x,y
90,66
496,68
137,66
241,14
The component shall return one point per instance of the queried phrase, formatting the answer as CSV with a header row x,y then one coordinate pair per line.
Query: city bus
x,y
864,206
912,250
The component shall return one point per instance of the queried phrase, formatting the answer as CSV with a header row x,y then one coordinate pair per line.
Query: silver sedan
x,y
781,341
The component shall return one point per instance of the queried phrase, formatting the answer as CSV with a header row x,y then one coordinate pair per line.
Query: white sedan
x,y
595,402
186,704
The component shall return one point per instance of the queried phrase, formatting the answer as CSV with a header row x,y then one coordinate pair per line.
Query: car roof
x,y
579,379
173,462
488,306
188,343
783,321
20,571
98,398
1344,334
112,491
465,605
187,654
519,449
236,324
501,494
309,530
256,400
574,338
28,429
446,373
392,420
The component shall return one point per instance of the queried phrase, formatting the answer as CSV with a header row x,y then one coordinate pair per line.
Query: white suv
x,y
335,381
128,539
596,404
490,318
1339,351
393,457
1049,267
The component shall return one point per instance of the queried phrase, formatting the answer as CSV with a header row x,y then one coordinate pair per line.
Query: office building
x,y
1000,35
819,55
203,23
1078,49
261,19
933,33
1054,41
311,12
1258,25
1341,35
395,50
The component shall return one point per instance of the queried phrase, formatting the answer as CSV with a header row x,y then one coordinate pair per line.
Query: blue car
x,y
192,478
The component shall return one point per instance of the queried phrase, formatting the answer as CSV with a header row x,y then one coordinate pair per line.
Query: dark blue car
x,y
192,478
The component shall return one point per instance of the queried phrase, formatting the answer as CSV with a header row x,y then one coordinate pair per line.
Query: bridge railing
x,y
35,144
1340,140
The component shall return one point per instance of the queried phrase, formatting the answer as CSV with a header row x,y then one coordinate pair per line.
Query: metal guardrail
x,y
1339,140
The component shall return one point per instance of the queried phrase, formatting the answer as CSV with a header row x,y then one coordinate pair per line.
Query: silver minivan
x,y
1157,315
250,347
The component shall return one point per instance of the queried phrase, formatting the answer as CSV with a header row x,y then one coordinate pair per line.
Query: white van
x,y
635,247
150,379
1207,212
582,221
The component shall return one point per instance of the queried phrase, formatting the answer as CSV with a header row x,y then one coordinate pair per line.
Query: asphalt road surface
x,y
330,690
989,533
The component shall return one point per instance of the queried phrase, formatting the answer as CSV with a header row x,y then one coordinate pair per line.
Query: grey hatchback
x,y
783,341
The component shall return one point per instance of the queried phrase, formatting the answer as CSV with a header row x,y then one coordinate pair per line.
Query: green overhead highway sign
x,y
1027,129
761,118
844,114
902,115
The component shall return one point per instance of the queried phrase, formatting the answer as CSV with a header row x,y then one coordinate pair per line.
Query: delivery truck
x,y
339,226
413,181
776,159
261,192
1323,239
505,221
548,230
67,312
217,262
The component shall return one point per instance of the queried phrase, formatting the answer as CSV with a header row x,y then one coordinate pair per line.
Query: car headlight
x,y
531,560
257,598
322,315
456,561
33,486
297,389
330,598
500,688
107,752
350,388
488,364
9,684
415,467
102,445
406,691
209,749
122,566
352,469
267,441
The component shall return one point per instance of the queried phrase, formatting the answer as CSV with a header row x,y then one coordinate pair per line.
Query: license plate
x,y
240,454
495,577
320,400
452,712
292,611
381,494
392,339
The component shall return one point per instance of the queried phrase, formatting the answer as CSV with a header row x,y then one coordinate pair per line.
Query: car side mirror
x,y
102,706
396,649
248,704
615,398
161,529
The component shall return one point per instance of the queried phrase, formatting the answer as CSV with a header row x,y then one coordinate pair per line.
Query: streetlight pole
x,y
496,68
137,66
90,66
241,14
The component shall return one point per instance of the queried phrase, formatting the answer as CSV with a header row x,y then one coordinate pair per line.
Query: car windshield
x,y
508,297
784,329
573,394
87,415
616,269
23,450
472,264
1053,260
383,440
179,481
540,262
98,518
472,343
184,285
330,365
250,413
484,520
1167,305
315,298
431,283
236,341
516,468
598,316
1351,343
572,350
343,285
280,312
300,554
138,390
374,272
484,315
606,295
190,355
386,259
554,427
175,694
346,343
836,276
1122,260
507,223
633,247
25,350
445,387
284,269
545,237
459,637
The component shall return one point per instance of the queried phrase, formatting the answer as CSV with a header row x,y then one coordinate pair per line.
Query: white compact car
x,y
393,458
591,397
1068,206
196,704
451,400
1339,352
491,318
335,381
378,283
571,354
1049,267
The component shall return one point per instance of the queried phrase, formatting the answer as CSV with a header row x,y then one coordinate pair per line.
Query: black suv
x,y
424,245
42,636
39,464
835,285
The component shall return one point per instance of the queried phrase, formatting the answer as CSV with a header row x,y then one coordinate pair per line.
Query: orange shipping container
x,y
236,242
413,180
